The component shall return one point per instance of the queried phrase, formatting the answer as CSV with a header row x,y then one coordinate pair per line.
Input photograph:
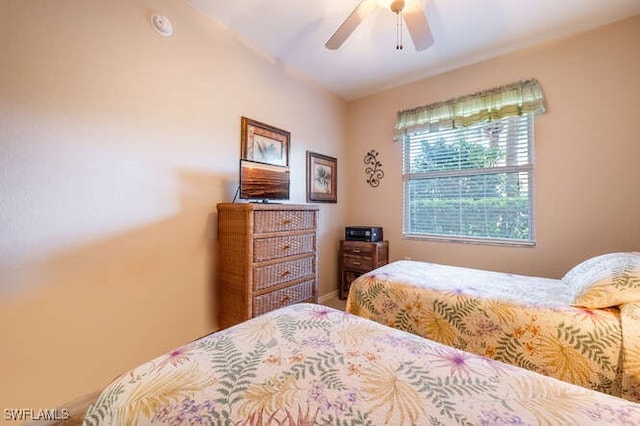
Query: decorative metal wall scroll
x,y
374,172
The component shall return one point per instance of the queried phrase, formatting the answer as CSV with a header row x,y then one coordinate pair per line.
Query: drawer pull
x,y
286,221
356,263
356,250
285,273
286,247
285,299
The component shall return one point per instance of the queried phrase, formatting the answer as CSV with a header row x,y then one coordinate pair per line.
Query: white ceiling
x,y
465,31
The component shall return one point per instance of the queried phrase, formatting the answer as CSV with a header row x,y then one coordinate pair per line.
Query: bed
x,y
310,364
583,329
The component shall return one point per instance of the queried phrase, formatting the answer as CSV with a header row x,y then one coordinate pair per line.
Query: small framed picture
x,y
264,143
322,178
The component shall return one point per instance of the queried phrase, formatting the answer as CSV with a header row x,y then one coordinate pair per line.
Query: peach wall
x,y
117,143
587,148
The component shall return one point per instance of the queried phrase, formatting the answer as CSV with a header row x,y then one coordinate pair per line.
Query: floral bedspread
x,y
309,364
520,320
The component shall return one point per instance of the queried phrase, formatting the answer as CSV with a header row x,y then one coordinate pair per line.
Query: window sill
x,y
481,241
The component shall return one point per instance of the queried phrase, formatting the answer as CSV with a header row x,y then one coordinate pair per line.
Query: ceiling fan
x,y
410,10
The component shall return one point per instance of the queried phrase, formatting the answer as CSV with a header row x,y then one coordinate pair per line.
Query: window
x,y
468,166
472,182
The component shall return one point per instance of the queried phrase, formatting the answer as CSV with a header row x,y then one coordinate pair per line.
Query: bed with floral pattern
x,y
583,329
309,364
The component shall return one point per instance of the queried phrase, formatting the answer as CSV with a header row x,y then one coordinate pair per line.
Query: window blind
x,y
471,183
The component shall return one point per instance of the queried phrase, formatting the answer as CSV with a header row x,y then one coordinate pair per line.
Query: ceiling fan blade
x,y
417,25
350,24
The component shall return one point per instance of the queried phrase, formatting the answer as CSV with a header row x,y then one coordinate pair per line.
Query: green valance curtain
x,y
512,99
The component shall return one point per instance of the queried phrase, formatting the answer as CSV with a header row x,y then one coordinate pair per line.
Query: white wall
x,y
116,144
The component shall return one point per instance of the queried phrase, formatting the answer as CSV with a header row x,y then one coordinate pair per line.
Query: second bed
x,y
531,322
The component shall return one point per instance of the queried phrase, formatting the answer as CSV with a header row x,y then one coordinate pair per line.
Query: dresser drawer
x,y
357,263
278,273
284,297
277,247
358,249
283,220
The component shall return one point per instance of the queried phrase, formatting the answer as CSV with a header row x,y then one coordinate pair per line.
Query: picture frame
x,y
322,178
263,143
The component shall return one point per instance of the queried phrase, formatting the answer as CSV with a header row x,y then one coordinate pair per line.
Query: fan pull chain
x,y
399,30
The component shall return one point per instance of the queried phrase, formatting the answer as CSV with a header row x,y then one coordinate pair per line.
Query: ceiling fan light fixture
x,y
410,12
397,6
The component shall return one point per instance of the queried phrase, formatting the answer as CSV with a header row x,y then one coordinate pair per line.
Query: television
x,y
263,182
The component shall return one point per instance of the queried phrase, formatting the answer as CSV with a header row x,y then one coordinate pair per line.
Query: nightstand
x,y
357,258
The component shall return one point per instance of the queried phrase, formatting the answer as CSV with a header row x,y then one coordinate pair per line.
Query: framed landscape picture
x,y
322,178
264,143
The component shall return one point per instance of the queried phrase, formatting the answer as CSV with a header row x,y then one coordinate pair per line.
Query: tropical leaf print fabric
x,y
610,279
523,321
312,365
630,319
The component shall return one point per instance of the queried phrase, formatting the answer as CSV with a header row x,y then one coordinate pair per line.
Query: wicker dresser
x,y
266,258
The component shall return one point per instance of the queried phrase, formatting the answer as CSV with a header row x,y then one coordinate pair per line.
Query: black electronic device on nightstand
x,y
369,234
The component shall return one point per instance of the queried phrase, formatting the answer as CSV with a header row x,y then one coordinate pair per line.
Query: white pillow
x,y
603,281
